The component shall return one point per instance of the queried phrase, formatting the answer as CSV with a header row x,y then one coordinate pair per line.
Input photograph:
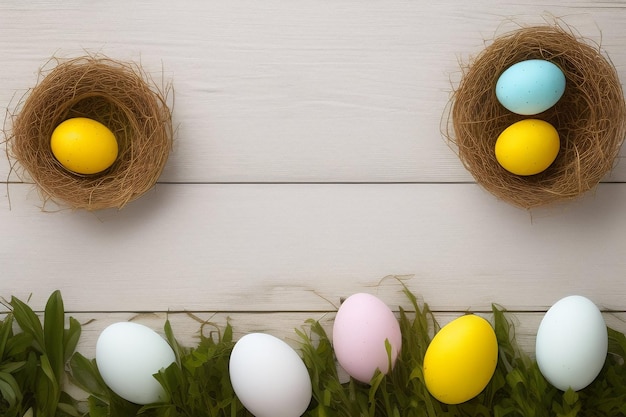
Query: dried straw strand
x,y
117,94
590,117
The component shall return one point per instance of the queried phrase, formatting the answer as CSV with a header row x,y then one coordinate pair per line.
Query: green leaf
x,y
71,337
228,334
54,329
47,368
169,335
97,408
68,409
171,379
6,331
44,395
198,383
68,405
10,389
85,375
388,350
617,343
121,407
570,397
12,367
18,345
28,375
47,389
28,322
373,391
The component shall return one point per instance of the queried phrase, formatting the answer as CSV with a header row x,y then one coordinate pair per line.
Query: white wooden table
x,y
308,165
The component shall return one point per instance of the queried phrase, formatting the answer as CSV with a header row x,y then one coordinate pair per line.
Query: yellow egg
x,y
527,147
83,145
461,359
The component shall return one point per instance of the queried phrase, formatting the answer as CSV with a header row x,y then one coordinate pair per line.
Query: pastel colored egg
x,y
84,146
361,327
527,147
128,355
461,359
530,87
269,377
572,343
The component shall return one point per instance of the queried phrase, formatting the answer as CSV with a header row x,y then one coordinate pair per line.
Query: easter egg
x,y
572,343
461,359
530,87
269,377
84,146
362,325
128,355
527,147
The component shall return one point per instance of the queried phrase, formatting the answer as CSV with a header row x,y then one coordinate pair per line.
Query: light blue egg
x,y
530,87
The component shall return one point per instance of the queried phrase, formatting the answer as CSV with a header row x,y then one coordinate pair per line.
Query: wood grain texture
x,y
308,165
293,247
294,91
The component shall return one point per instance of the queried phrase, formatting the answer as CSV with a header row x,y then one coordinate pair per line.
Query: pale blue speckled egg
x,y
530,87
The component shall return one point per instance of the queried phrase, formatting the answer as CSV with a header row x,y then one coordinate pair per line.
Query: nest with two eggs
x,y
553,103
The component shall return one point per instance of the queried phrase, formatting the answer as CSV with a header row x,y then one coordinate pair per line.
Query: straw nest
x,y
590,117
116,94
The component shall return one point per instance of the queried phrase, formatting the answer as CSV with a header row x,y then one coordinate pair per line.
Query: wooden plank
x,y
280,91
303,247
322,93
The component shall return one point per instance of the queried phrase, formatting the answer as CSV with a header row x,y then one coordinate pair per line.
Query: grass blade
x,y
54,329
70,339
28,322
10,389
6,330
47,389
18,344
85,375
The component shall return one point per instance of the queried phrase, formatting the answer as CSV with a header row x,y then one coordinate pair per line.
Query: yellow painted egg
x,y
527,147
461,359
84,146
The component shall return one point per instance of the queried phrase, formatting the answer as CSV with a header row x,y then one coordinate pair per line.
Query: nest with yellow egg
x,y
120,96
590,117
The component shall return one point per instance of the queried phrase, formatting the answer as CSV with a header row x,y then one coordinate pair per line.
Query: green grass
x,y
33,359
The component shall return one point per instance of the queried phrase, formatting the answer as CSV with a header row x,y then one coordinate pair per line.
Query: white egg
x,y
269,377
128,355
572,343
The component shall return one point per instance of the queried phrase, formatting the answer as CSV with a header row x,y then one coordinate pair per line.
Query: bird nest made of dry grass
x,y
590,117
117,94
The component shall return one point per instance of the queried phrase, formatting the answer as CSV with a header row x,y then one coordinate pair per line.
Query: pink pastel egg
x,y
361,326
